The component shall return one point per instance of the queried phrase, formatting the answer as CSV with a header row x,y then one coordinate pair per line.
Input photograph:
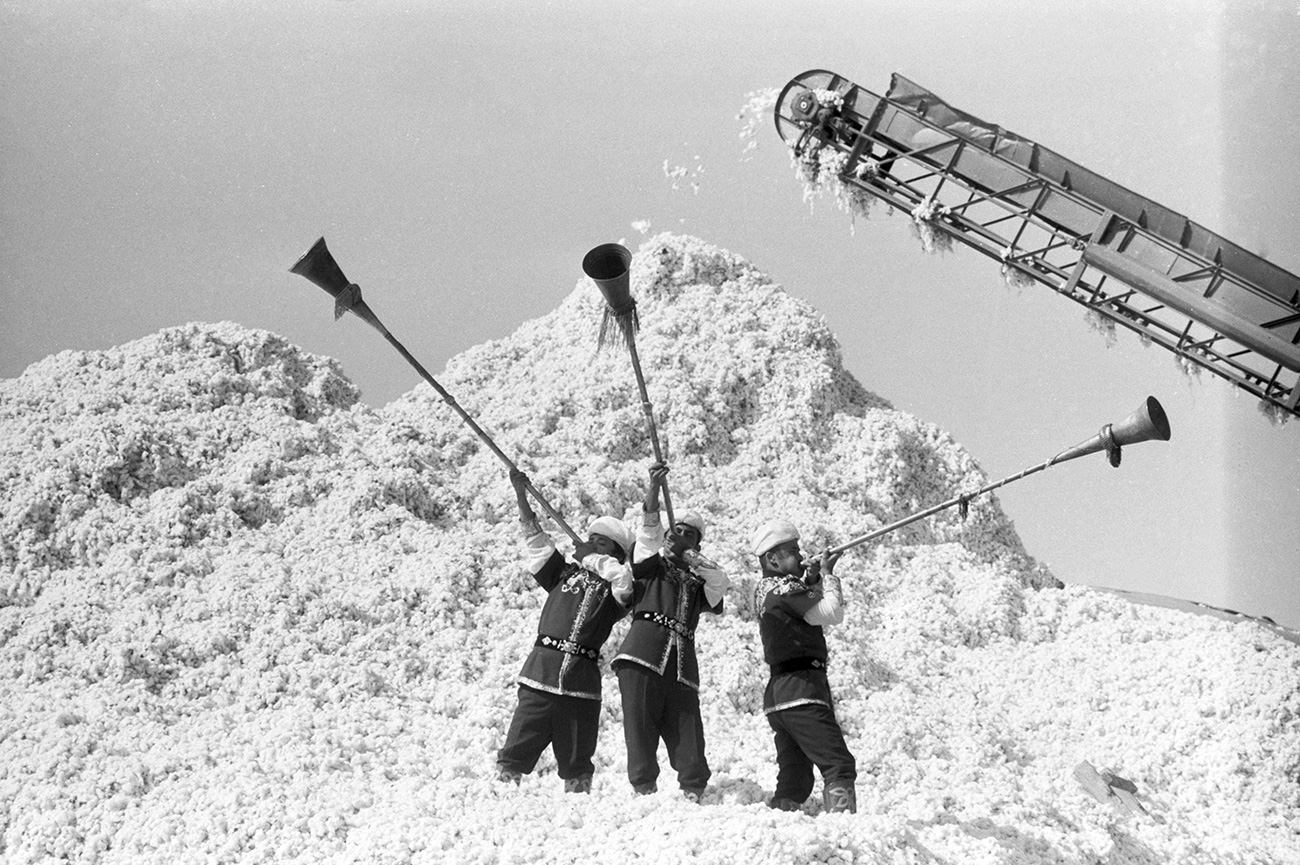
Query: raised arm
x,y
527,516
649,535
658,475
539,547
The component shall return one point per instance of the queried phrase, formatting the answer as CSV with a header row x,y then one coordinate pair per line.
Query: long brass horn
x,y
319,266
1147,422
608,266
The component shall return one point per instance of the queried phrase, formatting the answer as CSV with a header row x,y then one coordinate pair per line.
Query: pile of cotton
x,y
246,618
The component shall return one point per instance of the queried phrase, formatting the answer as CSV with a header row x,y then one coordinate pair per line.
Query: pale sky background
x,y
165,162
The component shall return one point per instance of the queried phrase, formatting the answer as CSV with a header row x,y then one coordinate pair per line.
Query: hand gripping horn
x,y
1147,422
607,265
319,266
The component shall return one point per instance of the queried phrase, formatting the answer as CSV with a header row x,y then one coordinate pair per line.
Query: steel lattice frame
x,y
1035,227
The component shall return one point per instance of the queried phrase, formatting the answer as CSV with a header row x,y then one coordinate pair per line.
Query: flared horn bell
x,y
1147,422
320,267
607,266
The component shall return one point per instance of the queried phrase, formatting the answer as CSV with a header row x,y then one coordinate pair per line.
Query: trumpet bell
x,y
318,266
1147,422
607,265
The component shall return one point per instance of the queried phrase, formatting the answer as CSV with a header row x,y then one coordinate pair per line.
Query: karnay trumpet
x,y
1147,422
608,266
318,266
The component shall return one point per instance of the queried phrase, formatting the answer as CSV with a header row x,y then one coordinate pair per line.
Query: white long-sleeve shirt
x,y
830,609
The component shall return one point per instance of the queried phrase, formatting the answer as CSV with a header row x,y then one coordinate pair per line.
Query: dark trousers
x,y
808,736
659,707
568,724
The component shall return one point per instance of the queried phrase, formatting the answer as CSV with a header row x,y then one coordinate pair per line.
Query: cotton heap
x,y
246,617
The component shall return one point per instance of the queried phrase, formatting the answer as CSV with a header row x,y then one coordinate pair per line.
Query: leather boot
x,y
781,803
581,784
840,797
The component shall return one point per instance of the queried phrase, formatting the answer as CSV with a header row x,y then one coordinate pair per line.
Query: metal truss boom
x,y
1047,219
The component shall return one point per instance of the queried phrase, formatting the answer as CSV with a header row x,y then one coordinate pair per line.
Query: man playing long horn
x,y
559,686
795,601
658,673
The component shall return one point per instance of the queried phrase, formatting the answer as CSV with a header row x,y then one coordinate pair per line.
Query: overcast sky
x,y
166,162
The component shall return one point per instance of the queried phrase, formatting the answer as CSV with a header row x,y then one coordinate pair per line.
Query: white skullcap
x,y
692,519
772,533
614,529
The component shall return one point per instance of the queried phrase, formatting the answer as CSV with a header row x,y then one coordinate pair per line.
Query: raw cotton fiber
x,y
245,617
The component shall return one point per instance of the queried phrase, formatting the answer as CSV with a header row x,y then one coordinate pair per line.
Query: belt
x,y
668,622
796,664
568,647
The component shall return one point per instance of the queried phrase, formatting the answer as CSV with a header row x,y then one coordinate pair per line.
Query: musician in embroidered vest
x,y
795,601
658,673
559,686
